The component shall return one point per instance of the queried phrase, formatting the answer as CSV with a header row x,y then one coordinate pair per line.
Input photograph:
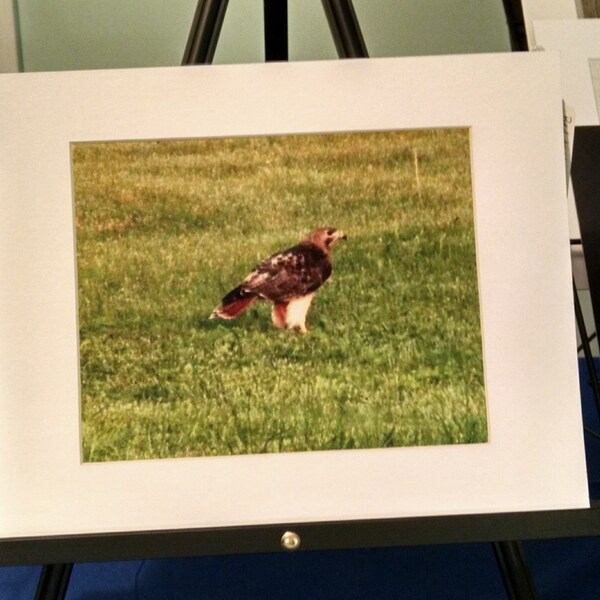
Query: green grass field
x,y
393,354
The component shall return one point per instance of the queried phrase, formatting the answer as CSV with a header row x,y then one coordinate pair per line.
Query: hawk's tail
x,y
234,304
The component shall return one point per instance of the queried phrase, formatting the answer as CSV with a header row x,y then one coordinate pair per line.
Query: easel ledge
x,y
335,535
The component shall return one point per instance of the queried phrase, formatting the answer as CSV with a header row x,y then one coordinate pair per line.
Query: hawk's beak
x,y
342,235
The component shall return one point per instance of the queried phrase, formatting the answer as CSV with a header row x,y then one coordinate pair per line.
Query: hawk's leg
x,y
278,315
297,309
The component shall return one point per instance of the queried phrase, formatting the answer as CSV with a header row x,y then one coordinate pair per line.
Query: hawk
x,y
288,279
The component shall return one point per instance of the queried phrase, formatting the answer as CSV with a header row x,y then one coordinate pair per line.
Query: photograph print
x,y
286,293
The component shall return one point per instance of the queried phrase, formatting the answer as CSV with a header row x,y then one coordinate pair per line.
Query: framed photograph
x,y
578,44
285,293
537,10
579,47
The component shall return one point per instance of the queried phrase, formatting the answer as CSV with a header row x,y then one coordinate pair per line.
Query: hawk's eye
x,y
330,231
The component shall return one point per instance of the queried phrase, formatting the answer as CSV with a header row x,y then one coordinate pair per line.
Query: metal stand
x,y
208,20
513,9
204,35
53,582
585,179
515,571
345,29
276,30
587,351
349,43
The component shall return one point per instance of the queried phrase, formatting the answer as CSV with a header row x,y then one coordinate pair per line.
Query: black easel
x,y
513,9
209,16
585,180
585,345
54,581
349,43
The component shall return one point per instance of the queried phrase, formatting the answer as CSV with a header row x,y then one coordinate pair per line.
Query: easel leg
x,y
587,350
53,582
276,30
205,31
345,29
513,9
515,571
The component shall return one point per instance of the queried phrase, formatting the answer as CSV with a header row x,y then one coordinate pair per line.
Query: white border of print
x,y
534,457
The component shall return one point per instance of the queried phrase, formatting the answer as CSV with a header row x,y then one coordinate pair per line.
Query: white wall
x,y
82,34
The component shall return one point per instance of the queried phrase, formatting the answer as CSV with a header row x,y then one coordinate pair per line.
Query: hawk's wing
x,y
289,274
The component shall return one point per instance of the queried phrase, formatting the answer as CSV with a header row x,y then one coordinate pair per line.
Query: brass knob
x,y
290,541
